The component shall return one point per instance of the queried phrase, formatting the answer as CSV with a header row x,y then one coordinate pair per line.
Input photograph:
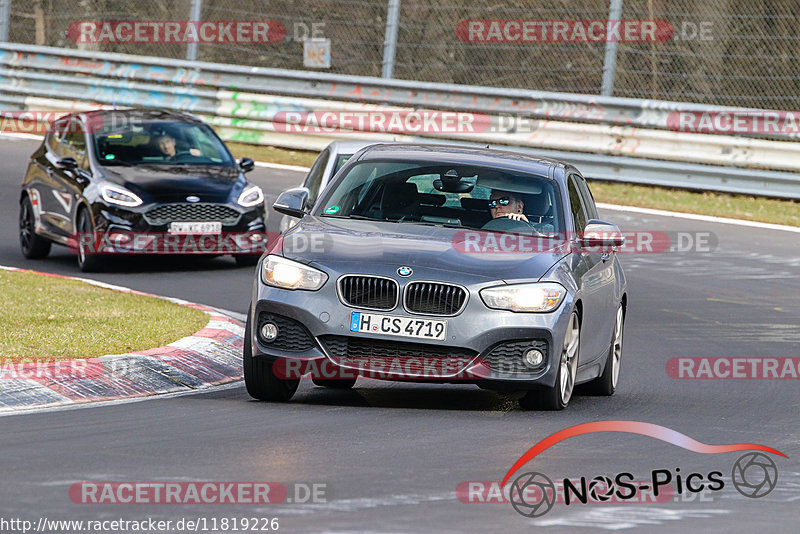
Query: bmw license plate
x,y
195,228
393,325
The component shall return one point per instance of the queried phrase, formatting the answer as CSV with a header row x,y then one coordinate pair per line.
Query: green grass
x,y
273,154
703,203
49,319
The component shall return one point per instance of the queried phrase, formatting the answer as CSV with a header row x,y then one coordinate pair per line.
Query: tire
x,y
558,397
606,384
87,262
334,384
33,247
246,260
260,381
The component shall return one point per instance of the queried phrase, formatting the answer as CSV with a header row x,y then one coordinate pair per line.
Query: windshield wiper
x,y
431,223
354,216
113,162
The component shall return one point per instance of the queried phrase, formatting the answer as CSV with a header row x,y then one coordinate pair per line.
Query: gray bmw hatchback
x,y
441,264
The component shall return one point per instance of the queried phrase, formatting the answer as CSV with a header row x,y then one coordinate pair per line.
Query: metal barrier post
x,y
5,19
194,15
610,60
390,42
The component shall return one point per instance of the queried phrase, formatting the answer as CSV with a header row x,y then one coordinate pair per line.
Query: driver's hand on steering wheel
x,y
516,217
195,152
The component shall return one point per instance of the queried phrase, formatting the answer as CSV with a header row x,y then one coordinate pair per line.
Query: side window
x,y
314,178
74,142
578,213
586,195
56,134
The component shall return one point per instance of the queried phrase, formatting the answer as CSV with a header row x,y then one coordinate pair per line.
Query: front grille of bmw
x,y
414,359
184,212
371,292
433,298
381,293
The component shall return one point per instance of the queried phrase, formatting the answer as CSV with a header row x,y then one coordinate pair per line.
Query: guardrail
x,y
609,138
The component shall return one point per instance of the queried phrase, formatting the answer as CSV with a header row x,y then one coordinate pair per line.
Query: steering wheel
x,y
504,224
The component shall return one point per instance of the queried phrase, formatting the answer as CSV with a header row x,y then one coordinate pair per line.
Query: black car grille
x,y
368,292
390,357
292,336
507,357
434,298
167,213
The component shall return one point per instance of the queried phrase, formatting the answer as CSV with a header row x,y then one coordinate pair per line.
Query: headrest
x,y
398,196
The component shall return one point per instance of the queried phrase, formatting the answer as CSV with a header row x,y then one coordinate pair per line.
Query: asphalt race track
x,y
391,455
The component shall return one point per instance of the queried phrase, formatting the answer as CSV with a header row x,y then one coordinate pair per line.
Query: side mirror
x,y
246,164
601,234
292,202
67,164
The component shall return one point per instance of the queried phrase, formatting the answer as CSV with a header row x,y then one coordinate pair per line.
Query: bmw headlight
x,y
115,194
288,274
536,297
251,196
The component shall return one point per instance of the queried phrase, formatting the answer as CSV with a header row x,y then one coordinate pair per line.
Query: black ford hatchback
x,y
138,182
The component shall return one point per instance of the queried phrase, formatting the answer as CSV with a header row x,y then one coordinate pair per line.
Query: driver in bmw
x,y
506,204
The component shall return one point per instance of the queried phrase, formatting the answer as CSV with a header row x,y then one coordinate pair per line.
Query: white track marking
x,y
692,216
281,166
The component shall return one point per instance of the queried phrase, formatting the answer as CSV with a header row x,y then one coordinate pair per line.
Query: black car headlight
x,y
116,194
251,196
277,271
539,297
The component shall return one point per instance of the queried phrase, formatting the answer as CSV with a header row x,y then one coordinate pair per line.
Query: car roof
x,y
141,114
349,146
462,155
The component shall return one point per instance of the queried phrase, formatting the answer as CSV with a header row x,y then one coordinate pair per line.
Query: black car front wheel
x,y
259,379
87,261
33,247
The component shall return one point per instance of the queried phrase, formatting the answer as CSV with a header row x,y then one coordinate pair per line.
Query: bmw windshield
x,y
446,195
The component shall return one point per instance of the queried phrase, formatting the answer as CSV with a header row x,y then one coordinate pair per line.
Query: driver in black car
x,y
506,204
168,146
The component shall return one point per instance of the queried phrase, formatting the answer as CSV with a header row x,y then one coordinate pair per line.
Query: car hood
x,y
167,183
463,256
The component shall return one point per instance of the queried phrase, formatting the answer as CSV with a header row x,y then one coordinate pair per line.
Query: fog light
x,y
269,332
533,357
120,238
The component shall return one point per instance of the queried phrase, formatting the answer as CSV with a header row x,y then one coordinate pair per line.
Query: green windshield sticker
x,y
110,156
331,209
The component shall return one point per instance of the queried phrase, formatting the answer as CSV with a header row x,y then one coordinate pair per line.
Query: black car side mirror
x,y
67,164
246,164
292,202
